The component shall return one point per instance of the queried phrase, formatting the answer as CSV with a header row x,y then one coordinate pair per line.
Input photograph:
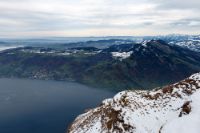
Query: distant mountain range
x,y
171,109
192,43
124,64
187,41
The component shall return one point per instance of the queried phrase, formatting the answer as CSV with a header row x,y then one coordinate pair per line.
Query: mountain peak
x,y
165,110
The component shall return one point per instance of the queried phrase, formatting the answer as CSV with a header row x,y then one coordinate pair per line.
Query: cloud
x,y
98,17
189,22
178,4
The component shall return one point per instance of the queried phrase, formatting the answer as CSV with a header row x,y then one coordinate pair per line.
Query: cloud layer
x,y
20,18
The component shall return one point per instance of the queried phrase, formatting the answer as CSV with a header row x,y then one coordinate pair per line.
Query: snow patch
x,y
121,55
144,43
189,123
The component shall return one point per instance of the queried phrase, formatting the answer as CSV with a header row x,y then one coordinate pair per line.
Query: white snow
x,y
144,43
150,115
121,55
195,76
65,53
192,44
189,123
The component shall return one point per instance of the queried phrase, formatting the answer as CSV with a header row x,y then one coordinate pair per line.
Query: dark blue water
x,y
34,106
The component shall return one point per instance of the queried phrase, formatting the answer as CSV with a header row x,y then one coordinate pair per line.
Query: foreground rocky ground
x,y
171,109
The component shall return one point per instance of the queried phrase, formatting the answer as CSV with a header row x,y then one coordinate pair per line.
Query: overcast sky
x,y
39,18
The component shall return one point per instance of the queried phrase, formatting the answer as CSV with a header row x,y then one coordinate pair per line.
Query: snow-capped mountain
x,y
192,43
171,109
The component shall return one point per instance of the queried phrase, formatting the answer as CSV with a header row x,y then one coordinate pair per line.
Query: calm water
x,y
34,106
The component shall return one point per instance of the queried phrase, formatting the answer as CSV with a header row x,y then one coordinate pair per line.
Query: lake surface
x,y
35,106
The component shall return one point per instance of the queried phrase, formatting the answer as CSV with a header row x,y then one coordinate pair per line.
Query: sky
x,y
60,18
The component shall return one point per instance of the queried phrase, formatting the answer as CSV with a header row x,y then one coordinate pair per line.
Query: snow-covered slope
x,y
171,109
191,42
121,55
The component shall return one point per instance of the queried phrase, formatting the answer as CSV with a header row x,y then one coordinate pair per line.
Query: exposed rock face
x,y
174,108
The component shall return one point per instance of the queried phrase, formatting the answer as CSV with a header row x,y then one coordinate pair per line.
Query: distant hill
x,y
128,65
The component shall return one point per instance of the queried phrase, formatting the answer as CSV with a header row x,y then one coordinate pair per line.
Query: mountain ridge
x,y
173,108
132,65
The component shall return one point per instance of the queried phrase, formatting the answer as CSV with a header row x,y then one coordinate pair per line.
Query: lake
x,y
36,106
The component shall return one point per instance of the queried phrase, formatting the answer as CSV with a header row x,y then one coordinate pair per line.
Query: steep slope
x,y
147,65
129,65
190,42
171,109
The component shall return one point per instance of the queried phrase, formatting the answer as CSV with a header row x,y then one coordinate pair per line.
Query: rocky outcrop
x,y
161,110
